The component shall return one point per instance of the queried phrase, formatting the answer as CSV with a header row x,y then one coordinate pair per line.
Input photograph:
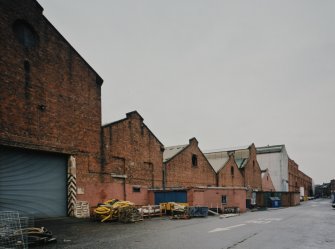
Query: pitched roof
x,y
171,151
129,115
217,159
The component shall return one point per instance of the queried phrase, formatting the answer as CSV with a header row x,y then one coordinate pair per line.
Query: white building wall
x,y
277,163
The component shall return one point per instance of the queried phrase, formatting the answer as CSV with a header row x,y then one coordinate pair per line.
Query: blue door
x,y
170,196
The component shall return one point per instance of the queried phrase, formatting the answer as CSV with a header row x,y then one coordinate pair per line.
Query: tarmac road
x,y
310,225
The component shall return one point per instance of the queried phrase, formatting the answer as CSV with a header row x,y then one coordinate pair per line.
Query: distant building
x,y
332,189
293,177
190,177
332,186
323,190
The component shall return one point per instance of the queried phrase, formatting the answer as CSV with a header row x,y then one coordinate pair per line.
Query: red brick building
x,y
293,176
186,166
133,158
247,162
190,171
219,197
241,169
298,179
228,173
230,181
50,110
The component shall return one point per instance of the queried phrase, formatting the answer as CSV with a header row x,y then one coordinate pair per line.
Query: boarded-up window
x,y
118,166
150,169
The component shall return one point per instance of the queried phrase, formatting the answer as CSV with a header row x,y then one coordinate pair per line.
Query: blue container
x,y
275,202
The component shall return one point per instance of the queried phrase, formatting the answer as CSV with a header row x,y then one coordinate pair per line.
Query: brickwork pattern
x,y
180,171
267,184
131,149
298,179
230,175
252,172
50,97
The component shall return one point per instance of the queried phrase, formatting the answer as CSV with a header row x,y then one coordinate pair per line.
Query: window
x,y
224,199
136,189
232,170
194,160
25,34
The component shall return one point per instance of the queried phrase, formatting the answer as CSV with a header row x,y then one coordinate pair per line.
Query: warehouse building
x,y
132,159
50,116
247,165
275,159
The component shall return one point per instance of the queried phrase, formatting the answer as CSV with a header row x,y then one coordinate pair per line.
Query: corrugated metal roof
x,y
235,148
171,151
217,159
270,149
242,154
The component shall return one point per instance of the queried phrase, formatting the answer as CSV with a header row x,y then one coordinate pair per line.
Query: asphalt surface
x,y
310,225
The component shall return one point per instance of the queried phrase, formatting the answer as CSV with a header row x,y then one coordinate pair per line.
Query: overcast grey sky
x,y
229,73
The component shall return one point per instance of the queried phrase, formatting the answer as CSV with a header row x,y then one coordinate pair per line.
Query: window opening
x,y
224,199
194,160
25,34
136,189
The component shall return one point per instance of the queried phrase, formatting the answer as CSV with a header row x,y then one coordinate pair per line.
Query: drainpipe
x,y
164,176
124,189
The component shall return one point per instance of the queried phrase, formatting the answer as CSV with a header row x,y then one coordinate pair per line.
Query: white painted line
x,y
225,228
264,220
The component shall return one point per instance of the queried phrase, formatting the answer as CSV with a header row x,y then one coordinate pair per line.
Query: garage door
x,y
170,196
33,183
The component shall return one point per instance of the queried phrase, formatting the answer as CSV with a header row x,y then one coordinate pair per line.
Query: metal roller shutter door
x,y
170,196
33,183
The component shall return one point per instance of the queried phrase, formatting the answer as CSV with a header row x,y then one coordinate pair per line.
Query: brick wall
x,y
298,179
212,198
267,184
132,151
252,172
230,174
293,175
50,97
181,172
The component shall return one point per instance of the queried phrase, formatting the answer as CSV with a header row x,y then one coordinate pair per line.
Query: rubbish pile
x,y
176,210
115,210
150,211
18,232
126,212
129,214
